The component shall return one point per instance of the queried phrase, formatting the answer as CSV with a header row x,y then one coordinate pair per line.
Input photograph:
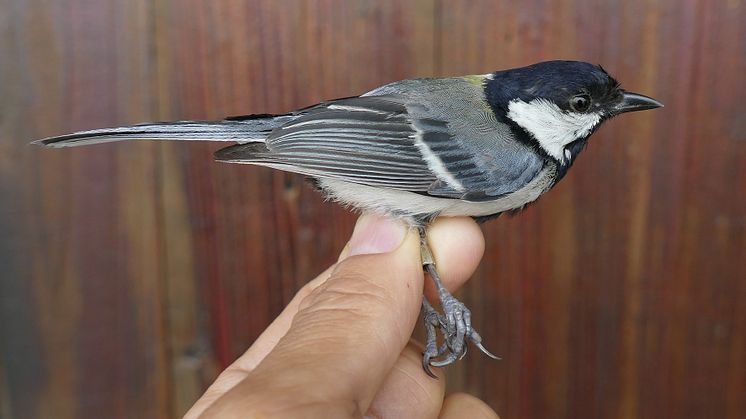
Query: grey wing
x,y
479,151
376,141
473,163
368,141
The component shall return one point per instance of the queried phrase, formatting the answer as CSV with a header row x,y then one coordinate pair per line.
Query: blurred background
x,y
131,274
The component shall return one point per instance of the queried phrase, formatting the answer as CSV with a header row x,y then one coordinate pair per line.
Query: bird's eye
x,y
580,103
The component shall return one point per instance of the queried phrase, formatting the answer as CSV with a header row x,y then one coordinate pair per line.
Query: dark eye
x,y
580,103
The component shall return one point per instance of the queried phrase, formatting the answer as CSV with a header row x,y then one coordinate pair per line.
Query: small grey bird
x,y
417,149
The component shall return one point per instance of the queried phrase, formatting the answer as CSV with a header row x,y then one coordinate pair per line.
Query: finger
x,y
277,329
460,238
238,370
345,337
242,366
462,405
407,391
457,245
470,247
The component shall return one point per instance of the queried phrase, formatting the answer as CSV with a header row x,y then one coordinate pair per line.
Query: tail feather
x,y
243,130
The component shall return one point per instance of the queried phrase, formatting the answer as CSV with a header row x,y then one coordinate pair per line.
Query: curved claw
x,y
450,359
426,366
486,352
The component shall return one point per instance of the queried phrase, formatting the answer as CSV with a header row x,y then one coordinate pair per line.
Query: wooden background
x,y
132,273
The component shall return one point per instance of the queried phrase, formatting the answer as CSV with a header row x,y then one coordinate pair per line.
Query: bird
x,y
418,149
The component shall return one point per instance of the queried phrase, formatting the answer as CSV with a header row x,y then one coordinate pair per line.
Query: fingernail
x,y
375,234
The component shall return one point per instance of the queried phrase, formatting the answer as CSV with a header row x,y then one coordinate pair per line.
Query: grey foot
x,y
455,326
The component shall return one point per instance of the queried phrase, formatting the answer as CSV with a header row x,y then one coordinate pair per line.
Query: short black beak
x,y
632,102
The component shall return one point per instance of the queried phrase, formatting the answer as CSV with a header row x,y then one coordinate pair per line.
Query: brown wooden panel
x,y
599,285
83,328
131,273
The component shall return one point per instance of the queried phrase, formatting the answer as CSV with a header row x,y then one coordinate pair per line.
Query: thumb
x,y
347,333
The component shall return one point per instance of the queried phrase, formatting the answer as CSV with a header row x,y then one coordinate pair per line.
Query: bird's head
x,y
557,105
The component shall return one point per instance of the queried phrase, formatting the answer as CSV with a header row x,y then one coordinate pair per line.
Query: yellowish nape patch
x,y
476,79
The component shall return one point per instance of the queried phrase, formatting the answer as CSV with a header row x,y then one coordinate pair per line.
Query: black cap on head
x,y
556,81
555,106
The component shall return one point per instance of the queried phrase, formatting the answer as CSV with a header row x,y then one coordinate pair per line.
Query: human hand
x,y
342,347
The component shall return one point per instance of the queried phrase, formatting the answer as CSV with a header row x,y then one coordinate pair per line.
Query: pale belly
x,y
405,203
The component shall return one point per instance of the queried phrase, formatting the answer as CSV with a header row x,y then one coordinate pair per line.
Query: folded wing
x,y
374,141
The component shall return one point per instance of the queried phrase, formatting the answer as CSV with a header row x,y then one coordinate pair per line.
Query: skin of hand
x,y
342,347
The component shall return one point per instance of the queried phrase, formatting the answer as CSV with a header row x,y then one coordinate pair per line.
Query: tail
x,y
242,129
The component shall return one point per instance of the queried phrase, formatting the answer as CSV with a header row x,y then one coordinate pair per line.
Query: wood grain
x,y
132,273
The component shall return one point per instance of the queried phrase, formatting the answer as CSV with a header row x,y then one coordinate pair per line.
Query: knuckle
x,y
349,287
350,298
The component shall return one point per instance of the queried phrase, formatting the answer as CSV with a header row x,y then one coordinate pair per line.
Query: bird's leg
x,y
454,323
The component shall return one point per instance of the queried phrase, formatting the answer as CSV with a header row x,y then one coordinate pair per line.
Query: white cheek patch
x,y
550,126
